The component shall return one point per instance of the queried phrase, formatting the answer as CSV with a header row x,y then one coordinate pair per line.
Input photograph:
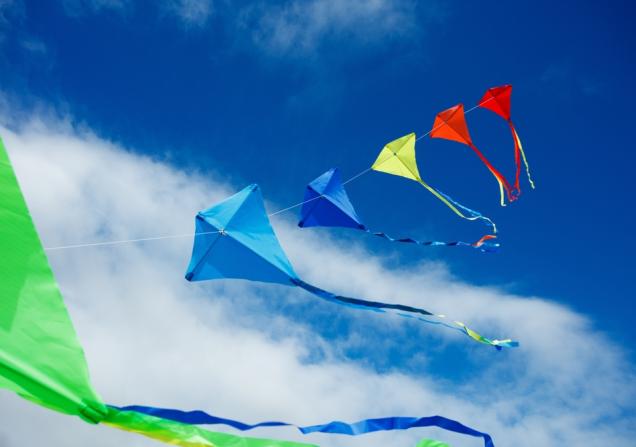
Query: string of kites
x,y
41,358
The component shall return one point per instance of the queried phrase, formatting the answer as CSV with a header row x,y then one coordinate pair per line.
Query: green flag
x,y
40,356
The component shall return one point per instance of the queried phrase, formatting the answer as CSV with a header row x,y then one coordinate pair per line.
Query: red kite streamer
x,y
451,125
497,99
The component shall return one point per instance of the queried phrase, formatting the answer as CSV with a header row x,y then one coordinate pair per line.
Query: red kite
x,y
497,99
451,125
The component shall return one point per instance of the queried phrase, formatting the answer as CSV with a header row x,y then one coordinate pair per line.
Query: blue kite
x,y
327,204
234,239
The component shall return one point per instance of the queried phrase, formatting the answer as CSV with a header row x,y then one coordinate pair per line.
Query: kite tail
x,y
457,207
171,431
403,311
472,214
503,183
335,427
517,188
519,148
482,244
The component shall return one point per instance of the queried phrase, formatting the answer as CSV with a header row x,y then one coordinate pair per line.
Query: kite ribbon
x,y
519,151
497,100
411,312
511,193
198,417
457,207
172,431
481,244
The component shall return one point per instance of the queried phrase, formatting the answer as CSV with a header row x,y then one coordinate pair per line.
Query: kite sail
x,y
497,100
42,360
234,239
398,158
451,125
327,204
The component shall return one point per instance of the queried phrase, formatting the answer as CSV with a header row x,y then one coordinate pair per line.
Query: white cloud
x,y
152,338
301,27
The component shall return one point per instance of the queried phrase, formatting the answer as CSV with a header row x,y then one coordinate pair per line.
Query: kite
x,y
42,360
398,158
497,99
327,204
451,125
234,239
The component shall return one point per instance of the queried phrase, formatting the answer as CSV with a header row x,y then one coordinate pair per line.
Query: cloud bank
x,y
256,351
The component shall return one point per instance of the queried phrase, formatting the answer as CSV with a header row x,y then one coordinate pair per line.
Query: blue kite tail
x,y
482,245
405,312
199,417
357,302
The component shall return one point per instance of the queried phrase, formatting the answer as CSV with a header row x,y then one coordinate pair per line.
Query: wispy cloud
x,y
78,8
10,12
302,27
292,27
192,13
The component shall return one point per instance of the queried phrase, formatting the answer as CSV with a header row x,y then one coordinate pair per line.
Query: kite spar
x,y
234,239
327,204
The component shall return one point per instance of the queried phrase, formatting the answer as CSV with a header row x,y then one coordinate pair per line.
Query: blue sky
x,y
211,96
276,93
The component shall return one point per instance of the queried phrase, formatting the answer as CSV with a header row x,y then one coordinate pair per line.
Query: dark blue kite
x,y
327,204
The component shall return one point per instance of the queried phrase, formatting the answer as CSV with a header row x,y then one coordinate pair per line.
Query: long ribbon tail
x,y
172,431
503,183
403,311
519,149
482,244
457,207
517,186
335,427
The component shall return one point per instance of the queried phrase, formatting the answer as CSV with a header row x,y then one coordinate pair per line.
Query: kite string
x,y
127,241
291,207
361,173
296,205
